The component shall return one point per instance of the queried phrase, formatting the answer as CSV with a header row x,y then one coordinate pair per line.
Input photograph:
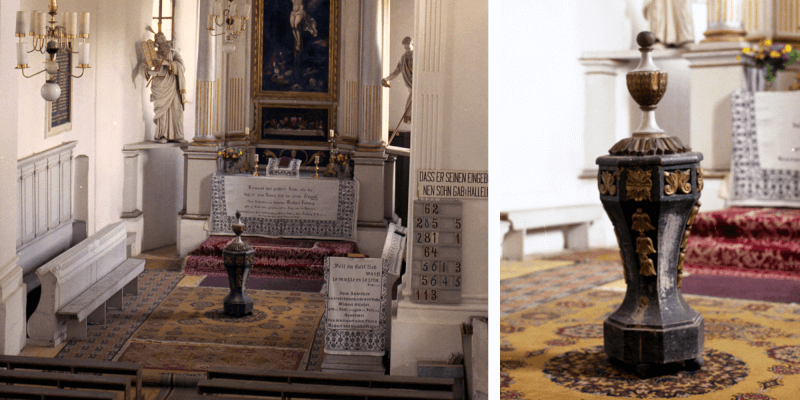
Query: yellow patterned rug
x,y
188,332
555,351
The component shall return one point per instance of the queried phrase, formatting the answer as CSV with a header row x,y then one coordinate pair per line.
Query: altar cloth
x,y
285,207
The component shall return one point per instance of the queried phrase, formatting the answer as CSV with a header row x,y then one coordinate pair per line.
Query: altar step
x,y
751,242
277,258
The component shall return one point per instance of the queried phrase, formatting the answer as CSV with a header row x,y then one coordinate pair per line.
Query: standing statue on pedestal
x,y
163,68
670,21
404,66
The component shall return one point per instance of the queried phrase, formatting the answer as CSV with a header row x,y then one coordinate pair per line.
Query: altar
x,y
323,208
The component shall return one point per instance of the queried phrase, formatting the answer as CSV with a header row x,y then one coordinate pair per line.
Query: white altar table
x,y
310,208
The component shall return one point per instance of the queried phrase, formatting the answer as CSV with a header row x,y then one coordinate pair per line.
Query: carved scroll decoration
x,y
699,179
644,245
639,185
607,186
685,241
677,181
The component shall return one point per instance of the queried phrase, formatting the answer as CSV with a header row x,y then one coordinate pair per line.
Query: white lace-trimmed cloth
x,y
274,169
750,184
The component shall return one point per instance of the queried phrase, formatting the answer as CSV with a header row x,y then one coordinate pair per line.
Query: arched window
x,y
162,16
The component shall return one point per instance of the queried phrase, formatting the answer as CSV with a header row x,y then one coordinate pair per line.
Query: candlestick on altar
x,y
255,167
316,166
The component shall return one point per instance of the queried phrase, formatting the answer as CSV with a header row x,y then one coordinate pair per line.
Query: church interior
x,y
228,198
648,209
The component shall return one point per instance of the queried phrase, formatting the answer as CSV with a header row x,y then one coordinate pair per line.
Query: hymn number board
x,y
437,261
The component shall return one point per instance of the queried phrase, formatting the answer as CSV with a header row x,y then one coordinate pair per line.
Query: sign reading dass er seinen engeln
x,y
453,184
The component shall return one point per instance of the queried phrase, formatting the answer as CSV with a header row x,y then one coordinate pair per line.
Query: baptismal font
x,y
650,187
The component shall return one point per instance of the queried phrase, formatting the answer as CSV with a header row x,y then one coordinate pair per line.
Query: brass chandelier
x,y
233,23
50,38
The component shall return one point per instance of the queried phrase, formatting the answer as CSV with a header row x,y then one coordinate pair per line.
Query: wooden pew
x,y
316,385
130,371
44,393
313,391
63,380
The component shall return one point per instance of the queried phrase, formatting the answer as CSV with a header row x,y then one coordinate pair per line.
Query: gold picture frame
x,y
296,124
289,50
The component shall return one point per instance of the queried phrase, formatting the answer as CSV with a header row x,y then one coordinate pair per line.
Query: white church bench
x,y
79,284
573,221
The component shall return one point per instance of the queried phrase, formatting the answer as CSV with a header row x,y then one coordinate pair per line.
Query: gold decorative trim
x,y
685,241
649,146
677,181
258,51
699,179
639,185
647,87
607,186
644,245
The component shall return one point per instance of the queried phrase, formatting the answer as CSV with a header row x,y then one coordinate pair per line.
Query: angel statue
x,y
163,68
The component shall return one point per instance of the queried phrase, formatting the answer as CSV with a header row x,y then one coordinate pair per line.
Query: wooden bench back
x,y
313,391
323,378
67,380
130,370
34,392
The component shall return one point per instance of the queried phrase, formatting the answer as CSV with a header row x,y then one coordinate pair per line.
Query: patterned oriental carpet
x,y
555,351
188,332
746,242
275,258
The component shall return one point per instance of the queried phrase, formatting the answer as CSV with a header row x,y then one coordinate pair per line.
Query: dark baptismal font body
x,y
650,187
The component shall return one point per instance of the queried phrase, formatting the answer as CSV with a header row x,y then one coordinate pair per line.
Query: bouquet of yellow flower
x,y
230,154
338,157
776,57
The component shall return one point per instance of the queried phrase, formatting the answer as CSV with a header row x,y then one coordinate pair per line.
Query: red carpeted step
x,y
775,224
287,258
744,254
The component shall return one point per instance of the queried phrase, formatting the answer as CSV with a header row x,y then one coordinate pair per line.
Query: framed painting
x,y
280,123
296,49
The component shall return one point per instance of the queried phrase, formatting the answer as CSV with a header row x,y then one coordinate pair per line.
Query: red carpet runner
x,y
275,258
746,242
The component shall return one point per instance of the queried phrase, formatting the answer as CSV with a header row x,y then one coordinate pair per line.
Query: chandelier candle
x,y
49,38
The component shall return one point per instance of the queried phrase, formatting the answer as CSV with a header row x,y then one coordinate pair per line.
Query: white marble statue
x,y
670,21
634,13
404,66
163,69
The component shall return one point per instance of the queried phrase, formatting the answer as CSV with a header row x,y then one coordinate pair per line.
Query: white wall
x,y
110,104
537,96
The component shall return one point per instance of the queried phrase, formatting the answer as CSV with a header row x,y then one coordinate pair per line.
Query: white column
x,y
12,291
370,155
207,92
372,128
132,198
199,165
725,21
185,39
600,126
449,132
